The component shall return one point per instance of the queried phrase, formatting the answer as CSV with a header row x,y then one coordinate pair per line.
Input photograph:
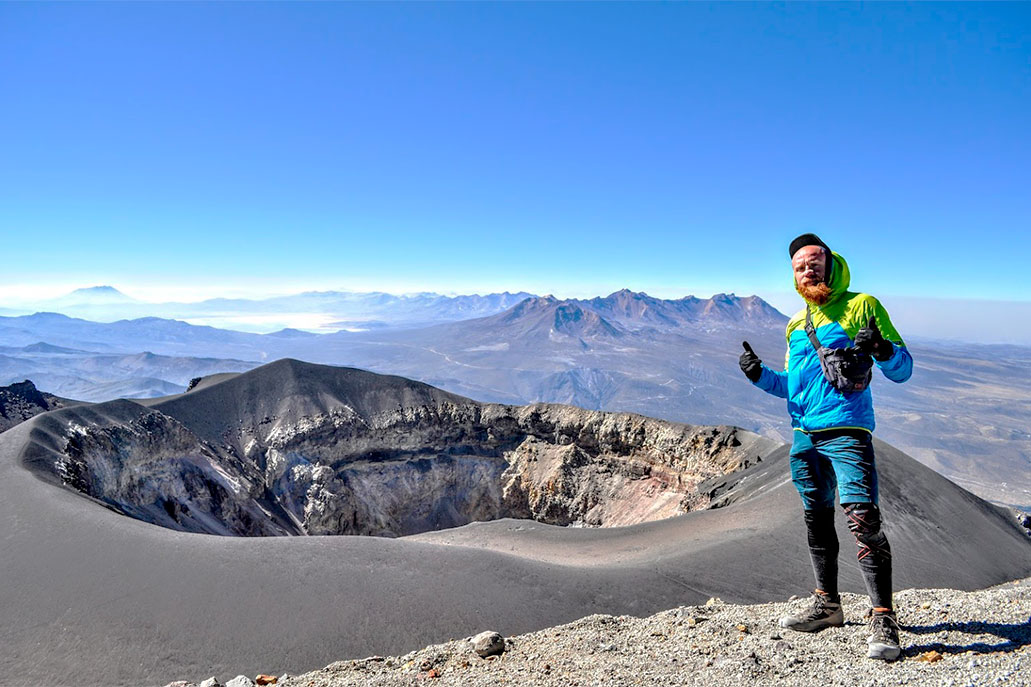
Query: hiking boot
x,y
822,613
884,637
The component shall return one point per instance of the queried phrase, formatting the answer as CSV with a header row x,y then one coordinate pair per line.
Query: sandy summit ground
x,y
948,637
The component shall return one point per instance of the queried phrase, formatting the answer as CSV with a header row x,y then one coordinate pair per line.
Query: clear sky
x,y
557,148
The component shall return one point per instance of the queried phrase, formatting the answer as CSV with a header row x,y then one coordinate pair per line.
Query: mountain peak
x,y
93,295
531,304
627,294
99,289
291,333
49,316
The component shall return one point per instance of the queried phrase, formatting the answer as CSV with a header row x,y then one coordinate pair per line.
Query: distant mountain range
x,y
324,311
637,310
964,412
89,375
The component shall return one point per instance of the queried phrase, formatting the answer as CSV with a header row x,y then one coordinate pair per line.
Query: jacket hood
x,y
838,279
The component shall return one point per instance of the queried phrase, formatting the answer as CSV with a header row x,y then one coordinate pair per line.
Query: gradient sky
x,y
203,149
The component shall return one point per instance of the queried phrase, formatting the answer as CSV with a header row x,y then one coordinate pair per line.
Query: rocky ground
x,y
19,402
949,638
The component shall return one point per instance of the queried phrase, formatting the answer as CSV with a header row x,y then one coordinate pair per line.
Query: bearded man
x,y
832,416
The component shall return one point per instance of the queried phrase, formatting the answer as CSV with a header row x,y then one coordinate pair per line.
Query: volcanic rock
x,y
488,644
20,401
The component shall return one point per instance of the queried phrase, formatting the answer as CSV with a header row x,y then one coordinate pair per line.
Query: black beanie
x,y
806,240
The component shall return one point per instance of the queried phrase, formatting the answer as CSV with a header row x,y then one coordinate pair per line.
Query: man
x,y
832,446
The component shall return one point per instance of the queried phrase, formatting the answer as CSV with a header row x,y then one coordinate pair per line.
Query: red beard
x,y
817,294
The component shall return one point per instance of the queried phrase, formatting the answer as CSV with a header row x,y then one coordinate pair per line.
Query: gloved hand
x,y
750,363
870,341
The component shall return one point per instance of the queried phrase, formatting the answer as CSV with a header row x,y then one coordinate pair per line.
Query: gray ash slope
x,y
90,596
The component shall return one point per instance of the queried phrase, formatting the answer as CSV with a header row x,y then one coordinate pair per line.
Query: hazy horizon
x,y
961,320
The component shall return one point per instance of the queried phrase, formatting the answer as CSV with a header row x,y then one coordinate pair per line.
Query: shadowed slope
x,y
289,390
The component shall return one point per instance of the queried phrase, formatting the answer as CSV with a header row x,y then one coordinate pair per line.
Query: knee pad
x,y
864,522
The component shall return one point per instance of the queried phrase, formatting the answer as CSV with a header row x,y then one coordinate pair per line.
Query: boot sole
x,y
785,623
883,652
836,620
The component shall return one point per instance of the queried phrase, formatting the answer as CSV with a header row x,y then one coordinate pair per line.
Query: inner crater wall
x,y
398,472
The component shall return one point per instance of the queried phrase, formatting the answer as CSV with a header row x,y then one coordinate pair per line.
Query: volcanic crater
x,y
298,449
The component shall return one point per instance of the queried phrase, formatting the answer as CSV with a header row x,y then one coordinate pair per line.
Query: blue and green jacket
x,y
814,404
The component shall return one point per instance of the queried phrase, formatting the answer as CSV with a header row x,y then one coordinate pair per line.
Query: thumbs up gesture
x,y
750,363
869,340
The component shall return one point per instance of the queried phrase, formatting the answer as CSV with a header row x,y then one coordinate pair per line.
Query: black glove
x,y
750,363
870,341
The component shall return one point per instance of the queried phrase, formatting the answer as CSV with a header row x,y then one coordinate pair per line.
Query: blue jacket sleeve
x,y
899,367
772,382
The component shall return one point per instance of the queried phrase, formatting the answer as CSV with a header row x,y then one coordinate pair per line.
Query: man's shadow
x,y
1014,636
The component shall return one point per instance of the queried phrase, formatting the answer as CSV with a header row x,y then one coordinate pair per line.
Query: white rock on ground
x,y
488,644
983,638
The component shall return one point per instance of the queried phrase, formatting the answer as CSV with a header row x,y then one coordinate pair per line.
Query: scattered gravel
x,y
949,638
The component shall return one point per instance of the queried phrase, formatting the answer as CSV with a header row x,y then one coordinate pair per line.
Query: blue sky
x,y
574,149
